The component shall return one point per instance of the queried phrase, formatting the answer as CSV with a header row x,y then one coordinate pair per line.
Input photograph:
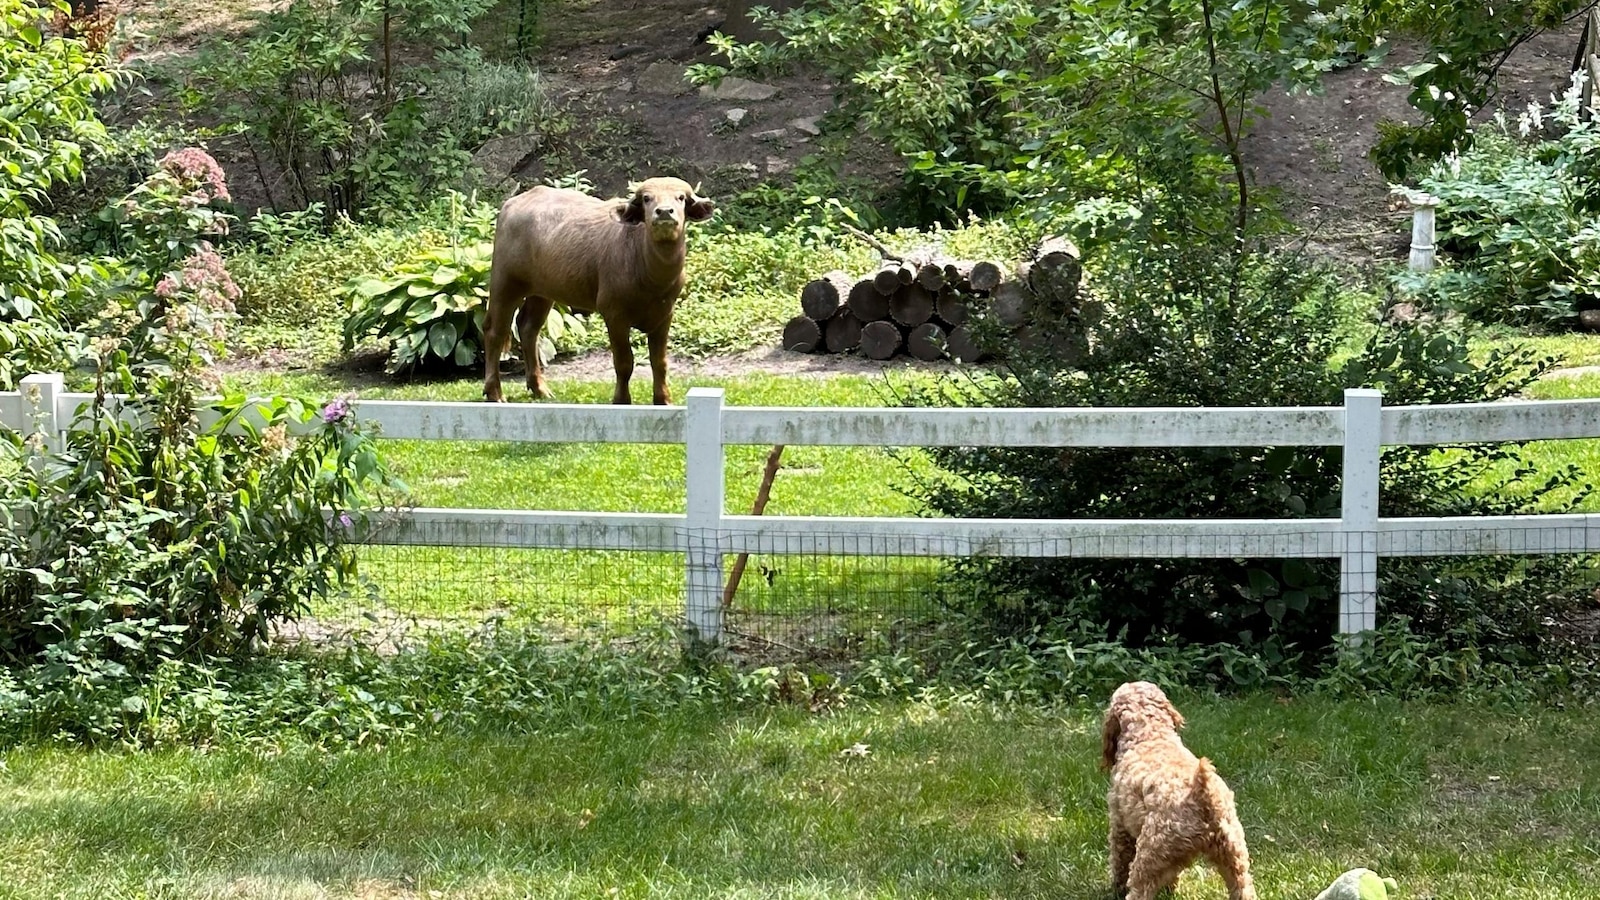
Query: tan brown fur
x,y
620,258
1168,808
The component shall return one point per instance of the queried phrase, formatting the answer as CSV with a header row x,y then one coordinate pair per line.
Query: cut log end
x,y
880,340
842,333
1011,302
926,342
962,348
867,303
822,297
911,305
985,276
802,334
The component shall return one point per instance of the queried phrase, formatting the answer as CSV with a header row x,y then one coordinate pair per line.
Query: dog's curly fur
x,y
1168,808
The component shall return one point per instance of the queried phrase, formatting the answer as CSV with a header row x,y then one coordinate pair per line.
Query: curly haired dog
x,y
1168,808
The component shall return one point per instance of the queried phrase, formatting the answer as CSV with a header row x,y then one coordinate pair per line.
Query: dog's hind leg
x,y
1122,847
1232,860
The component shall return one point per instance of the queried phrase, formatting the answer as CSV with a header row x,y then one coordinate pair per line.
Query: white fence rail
x,y
704,533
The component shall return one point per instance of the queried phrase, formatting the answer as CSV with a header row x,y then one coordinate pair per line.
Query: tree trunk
x,y
867,302
926,342
911,306
962,347
802,334
931,277
880,340
842,333
985,276
822,297
1011,302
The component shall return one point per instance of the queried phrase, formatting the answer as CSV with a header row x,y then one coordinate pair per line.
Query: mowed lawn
x,y
949,801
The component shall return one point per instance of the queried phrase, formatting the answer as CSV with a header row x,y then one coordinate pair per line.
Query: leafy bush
x,y
293,274
1173,333
1465,45
472,99
316,91
47,88
152,535
1522,213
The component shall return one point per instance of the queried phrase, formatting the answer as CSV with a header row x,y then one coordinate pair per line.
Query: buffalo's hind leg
x,y
505,295
530,321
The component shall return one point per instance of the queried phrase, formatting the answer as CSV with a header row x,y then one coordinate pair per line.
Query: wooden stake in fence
x,y
757,509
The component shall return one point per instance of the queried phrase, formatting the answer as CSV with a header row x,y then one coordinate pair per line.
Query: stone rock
x,y
806,125
662,77
736,115
738,89
777,165
773,135
1590,319
501,157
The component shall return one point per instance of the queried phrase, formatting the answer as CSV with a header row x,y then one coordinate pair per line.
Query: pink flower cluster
x,y
205,277
196,169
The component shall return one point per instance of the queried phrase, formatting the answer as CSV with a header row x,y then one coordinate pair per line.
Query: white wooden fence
x,y
704,533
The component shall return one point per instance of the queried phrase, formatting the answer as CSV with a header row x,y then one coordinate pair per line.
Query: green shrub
x,y
47,88
293,275
1522,214
316,90
151,535
1174,334
473,99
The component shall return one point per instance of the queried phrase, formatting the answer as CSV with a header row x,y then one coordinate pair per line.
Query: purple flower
x,y
345,521
336,411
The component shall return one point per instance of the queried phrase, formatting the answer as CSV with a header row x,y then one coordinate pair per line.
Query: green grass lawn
x,y
950,802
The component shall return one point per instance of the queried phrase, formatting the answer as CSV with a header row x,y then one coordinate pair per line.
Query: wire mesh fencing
x,y
784,594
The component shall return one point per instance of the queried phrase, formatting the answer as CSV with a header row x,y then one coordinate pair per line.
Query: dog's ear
x,y
1108,740
1177,717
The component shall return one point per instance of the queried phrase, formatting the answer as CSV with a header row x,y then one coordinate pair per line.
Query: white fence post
x,y
703,522
40,395
1358,564
1422,234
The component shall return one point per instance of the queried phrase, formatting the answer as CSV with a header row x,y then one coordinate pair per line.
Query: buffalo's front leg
x,y
661,396
535,310
621,360
504,298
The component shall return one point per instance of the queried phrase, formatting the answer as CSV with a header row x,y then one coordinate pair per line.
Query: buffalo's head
x,y
666,206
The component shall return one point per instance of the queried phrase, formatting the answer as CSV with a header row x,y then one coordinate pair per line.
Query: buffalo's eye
x,y
645,197
680,198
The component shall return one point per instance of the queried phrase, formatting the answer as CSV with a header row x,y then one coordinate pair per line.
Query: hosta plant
x,y
433,309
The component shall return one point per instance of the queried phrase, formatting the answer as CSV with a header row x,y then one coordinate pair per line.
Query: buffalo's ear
x,y
699,208
629,211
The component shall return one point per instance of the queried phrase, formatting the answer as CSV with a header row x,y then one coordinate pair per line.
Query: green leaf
x,y
1275,608
1297,573
442,339
466,352
1262,584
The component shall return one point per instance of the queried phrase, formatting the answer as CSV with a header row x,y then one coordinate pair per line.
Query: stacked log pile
x,y
930,308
